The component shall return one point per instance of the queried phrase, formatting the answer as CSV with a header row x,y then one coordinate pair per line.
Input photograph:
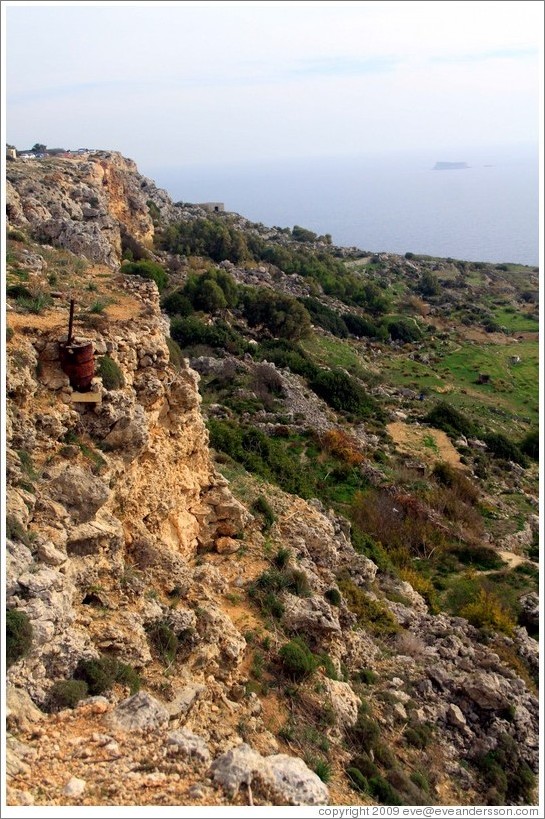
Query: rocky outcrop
x,y
94,205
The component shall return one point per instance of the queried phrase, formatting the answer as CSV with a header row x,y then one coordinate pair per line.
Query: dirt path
x,y
425,443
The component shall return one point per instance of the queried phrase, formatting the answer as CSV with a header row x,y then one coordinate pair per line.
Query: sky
x,y
184,83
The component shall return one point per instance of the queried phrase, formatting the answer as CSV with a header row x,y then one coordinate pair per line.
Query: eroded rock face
x,y
97,205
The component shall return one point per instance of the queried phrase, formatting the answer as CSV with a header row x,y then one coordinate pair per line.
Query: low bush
x,y
530,445
176,356
357,780
18,636
367,676
366,731
282,315
488,613
371,614
450,420
502,447
262,506
383,791
342,392
365,765
360,327
405,330
333,596
148,270
191,331
287,354
507,773
321,768
163,640
36,304
110,372
282,558
297,659
66,694
418,735
177,304
100,674
325,317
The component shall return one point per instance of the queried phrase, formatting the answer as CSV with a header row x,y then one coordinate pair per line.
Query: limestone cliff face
x,y
93,205
140,507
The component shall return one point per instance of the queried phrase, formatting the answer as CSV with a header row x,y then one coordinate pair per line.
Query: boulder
x,y
187,744
137,713
80,492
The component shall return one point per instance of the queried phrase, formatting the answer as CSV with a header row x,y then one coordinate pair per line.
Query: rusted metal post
x,y
70,323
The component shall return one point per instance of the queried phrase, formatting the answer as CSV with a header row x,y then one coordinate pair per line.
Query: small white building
x,y
11,152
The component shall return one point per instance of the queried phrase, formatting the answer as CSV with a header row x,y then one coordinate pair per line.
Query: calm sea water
x,y
486,212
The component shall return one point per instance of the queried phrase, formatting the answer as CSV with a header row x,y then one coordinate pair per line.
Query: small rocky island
x,y
449,166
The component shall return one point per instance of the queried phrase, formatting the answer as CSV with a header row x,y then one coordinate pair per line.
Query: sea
x,y
487,211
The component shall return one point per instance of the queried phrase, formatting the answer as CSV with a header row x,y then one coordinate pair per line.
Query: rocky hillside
x,y
235,625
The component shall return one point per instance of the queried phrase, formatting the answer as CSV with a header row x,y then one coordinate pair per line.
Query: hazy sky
x,y
180,83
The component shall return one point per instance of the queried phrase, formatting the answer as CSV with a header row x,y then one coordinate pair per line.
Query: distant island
x,y
449,166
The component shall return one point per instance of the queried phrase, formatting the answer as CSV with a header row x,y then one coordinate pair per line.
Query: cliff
x,y
95,205
185,639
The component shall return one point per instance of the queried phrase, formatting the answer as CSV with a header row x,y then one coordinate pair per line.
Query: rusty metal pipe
x,y
70,322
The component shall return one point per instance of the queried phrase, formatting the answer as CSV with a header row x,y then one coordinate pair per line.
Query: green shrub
x,y
99,674
343,393
287,354
9,333
99,306
66,694
110,372
321,768
36,304
127,675
357,780
370,613
177,304
18,636
405,330
359,326
18,291
365,765
367,676
16,235
383,791
504,769
164,641
366,731
262,506
450,420
148,270
176,356
325,317
210,237
418,735
333,596
297,659
282,315
192,331
421,781
16,531
327,664
529,445
502,447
